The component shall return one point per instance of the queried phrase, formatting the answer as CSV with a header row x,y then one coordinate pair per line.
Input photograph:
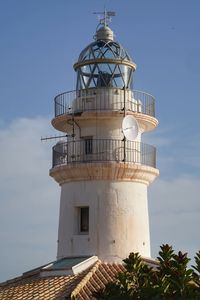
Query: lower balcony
x,y
103,151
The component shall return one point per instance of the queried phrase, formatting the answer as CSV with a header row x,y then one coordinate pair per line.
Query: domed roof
x,y
104,48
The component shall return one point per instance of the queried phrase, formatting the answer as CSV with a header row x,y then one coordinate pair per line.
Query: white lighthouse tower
x,y
103,168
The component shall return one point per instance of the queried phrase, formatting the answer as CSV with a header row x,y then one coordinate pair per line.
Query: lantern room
x,y
104,63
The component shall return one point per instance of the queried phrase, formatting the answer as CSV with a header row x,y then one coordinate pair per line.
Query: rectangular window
x,y
83,220
88,145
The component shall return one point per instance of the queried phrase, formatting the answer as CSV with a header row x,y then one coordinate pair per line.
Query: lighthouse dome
x,y
104,63
103,49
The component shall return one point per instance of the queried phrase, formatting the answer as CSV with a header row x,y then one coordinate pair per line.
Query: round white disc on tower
x,y
130,128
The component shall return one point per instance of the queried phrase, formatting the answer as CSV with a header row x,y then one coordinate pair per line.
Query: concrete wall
x,y
101,129
118,219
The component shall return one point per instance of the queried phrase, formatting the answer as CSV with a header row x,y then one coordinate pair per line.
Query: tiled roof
x,y
35,287
96,279
79,287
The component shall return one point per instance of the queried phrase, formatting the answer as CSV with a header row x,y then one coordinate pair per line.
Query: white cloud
x,y
175,214
177,152
29,198
174,197
161,137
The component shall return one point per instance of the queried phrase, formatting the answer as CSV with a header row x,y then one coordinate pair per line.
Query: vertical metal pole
x,y
73,132
124,117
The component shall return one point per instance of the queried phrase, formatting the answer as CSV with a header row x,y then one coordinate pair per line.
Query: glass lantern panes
x,y
103,74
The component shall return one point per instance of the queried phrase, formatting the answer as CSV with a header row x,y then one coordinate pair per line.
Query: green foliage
x,y
174,275
196,274
171,279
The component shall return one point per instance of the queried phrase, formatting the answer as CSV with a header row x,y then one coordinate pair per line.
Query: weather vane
x,y
105,16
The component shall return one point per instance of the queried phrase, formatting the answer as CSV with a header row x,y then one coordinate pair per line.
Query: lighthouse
x,y
103,167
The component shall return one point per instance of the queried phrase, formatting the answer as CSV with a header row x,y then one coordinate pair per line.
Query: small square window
x,y
83,222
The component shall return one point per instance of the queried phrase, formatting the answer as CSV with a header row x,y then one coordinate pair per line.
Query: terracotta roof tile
x,y
80,287
96,279
51,288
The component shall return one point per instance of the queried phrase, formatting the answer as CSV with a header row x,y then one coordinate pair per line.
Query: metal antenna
x,y
106,16
55,137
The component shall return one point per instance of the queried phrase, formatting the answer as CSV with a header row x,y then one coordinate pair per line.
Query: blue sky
x,y
40,42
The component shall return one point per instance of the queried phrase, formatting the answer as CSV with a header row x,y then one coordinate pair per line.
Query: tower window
x,y
84,220
88,145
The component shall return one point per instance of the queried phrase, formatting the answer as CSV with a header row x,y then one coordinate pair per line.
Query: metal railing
x,y
103,150
109,99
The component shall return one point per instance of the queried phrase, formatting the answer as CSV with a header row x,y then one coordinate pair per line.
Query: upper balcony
x,y
109,99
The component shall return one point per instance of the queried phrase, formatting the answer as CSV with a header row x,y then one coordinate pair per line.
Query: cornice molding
x,y
104,171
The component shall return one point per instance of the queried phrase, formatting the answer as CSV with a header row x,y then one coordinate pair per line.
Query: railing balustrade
x,y
103,150
110,99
